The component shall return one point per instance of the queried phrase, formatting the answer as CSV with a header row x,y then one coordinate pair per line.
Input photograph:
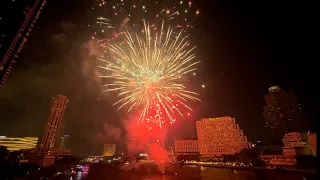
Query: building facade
x,y
109,150
282,115
18,143
186,147
17,18
293,139
312,139
296,144
279,160
54,123
219,136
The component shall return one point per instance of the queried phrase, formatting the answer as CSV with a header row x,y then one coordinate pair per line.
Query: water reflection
x,y
190,173
226,174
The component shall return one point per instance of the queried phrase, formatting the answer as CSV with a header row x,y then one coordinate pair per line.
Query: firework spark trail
x,y
149,73
178,13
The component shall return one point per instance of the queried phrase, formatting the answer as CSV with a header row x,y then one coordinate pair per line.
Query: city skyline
x,y
235,82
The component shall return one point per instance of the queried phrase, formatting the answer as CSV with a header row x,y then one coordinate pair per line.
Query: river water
x,y
192,173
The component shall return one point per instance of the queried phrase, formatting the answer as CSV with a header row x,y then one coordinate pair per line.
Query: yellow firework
x,y
149,71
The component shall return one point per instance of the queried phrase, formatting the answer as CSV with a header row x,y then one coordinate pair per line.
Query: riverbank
x,y
258,168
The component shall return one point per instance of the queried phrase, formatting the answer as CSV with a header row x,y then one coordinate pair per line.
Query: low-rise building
x,y
186,146
45,157
312,139
296,144
279,160
293,139
297,151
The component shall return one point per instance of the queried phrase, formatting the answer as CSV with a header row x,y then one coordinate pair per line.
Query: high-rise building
x,y
218,136
109,150
18,143
54,123
17,18
282,115
186,146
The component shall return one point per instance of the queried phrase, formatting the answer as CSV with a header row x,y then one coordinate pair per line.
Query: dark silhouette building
x,y
17,18
282,114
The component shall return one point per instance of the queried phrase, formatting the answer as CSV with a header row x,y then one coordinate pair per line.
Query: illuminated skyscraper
x,y
218,136
54,123
17,18
282,115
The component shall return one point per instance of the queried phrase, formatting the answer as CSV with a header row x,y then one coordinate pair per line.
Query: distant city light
x,y
143,154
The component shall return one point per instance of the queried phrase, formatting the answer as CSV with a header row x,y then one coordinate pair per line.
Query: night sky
x,y
245,47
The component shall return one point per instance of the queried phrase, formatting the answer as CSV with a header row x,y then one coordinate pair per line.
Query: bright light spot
x,y
203,85
168,11
143,7
188,114
194,74
181,2
197,12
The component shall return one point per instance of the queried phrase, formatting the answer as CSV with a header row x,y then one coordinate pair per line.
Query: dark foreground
x,y
103,172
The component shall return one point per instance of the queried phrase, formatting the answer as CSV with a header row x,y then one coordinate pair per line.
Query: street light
x,y
63,137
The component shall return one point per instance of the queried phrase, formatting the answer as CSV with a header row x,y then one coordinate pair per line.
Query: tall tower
x,y
282,115
17,18
54,123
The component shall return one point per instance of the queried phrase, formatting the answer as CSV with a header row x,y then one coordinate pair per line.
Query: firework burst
x,y
149,72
